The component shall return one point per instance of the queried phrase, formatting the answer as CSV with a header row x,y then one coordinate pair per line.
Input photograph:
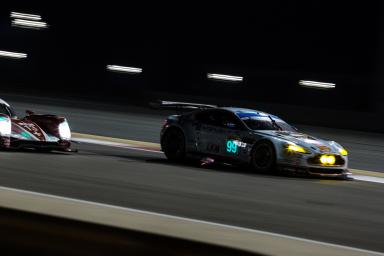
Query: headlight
x,y
327,160
64,131
5,126
293,148
343,152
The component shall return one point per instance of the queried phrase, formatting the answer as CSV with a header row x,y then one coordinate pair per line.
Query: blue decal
x,y
241,114
232,147
247,114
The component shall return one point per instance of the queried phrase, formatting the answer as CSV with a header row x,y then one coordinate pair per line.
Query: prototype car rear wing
x,y
179,105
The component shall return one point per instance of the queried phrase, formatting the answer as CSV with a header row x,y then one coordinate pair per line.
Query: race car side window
x,y
4,109
229,120
220,118
209,117
12,113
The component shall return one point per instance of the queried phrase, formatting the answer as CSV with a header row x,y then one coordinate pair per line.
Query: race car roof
x,y
245,112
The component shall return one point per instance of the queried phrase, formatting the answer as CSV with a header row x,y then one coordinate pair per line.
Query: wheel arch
x,y
171,128
264,139
273,164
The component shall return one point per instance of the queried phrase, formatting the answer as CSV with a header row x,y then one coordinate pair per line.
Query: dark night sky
x,y
331,39
329,36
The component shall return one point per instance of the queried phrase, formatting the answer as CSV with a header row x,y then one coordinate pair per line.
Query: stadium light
x,y
319,85
29,24
26,16
13,55
222,77
124,69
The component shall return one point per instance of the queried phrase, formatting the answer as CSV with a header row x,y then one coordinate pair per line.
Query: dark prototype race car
x,y
238,135
41,132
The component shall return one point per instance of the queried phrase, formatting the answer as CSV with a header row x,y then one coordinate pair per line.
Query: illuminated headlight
x,y
343,152
293,148
327,160
339,148
5,126
64,131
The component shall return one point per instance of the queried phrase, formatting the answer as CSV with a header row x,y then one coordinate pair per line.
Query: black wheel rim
x,y
175,143
262,156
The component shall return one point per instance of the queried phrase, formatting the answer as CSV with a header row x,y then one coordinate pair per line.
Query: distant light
x,y
319,85
14,55
124,69
26,16
225,77
29,23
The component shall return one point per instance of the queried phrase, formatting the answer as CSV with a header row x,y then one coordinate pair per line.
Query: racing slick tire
x,y
173,145
263,157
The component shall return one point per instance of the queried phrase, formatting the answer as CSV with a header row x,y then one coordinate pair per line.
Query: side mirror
x,y
29,112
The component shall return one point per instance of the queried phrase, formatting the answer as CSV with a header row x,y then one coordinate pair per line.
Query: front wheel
x,y
263,158
173,145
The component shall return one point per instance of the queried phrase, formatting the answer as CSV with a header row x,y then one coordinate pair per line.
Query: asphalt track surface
x,y
342,212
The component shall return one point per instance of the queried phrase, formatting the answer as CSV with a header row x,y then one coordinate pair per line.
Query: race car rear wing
x,y
179,105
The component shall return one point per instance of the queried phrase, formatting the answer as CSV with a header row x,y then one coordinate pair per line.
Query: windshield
x,y
5,110
265,123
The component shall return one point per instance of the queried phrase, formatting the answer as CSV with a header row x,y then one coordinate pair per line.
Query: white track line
x,y
368,178
114,144
255,231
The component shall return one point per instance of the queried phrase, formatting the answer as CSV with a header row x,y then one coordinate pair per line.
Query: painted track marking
x,y
173,225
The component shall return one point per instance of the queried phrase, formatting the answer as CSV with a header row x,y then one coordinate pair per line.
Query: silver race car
x,y
238,135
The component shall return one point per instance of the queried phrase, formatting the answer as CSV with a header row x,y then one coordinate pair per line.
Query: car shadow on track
x,y
242,170
194,163
37,152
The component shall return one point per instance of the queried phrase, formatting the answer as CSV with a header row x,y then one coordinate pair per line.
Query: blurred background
x,y
271,45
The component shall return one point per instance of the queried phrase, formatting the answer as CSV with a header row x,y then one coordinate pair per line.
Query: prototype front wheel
x,y
173,145
263,157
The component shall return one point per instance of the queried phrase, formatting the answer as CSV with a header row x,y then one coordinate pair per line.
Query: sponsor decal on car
x,y
213,148
324,148
234,145
32,129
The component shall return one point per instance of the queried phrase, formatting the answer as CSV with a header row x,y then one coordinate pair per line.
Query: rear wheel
x,y
263,157
173,145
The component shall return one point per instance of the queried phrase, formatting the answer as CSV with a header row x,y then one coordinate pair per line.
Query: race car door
x,y
213,131
230,139
206,129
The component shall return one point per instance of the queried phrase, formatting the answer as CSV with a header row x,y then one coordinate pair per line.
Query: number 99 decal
x,y
232,147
